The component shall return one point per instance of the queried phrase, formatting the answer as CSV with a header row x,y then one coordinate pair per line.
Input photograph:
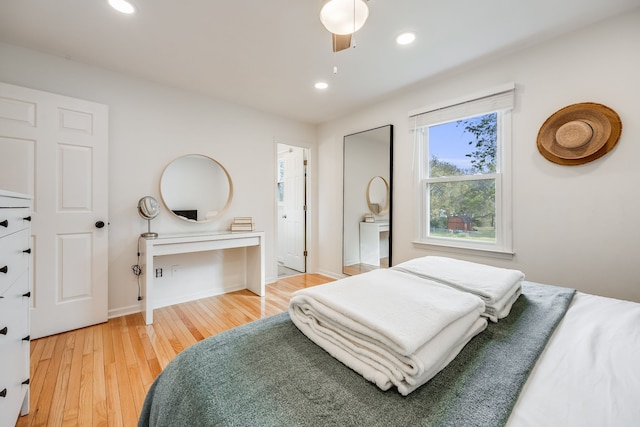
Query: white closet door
x,y
55,148
294,209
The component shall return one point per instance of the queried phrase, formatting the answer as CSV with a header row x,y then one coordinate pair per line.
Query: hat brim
x,y
606,126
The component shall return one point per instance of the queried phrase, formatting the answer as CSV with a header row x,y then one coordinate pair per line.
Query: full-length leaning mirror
x,y
367,197
196,188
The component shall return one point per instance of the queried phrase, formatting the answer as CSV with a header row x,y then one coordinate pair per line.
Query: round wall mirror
x,y
196,188
378,195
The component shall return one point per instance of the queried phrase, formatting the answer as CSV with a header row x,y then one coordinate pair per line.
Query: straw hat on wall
x,y
579,133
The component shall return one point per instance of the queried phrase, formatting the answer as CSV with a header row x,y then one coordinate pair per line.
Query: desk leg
x,y
255,269
147,293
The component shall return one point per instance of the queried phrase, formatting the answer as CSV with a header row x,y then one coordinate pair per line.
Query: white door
x,y
55,148
293,218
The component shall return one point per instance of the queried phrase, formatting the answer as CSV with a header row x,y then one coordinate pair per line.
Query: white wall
x,y
149,126
573,226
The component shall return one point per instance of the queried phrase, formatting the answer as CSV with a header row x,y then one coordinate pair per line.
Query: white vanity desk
x,y
374,243
170,244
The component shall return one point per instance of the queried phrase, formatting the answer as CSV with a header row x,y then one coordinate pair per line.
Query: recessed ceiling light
x,y
122,6
406,38
321,85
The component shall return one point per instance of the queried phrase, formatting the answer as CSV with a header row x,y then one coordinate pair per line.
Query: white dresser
x,y
15,291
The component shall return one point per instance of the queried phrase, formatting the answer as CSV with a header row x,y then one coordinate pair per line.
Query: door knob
x,y
4,223
99,224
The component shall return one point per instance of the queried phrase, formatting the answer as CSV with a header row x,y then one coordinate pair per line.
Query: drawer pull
x,y
4,223
4,269
4,331
27,218
27,295
26,382
27,251
3,393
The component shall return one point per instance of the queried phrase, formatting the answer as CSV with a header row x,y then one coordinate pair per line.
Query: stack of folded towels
x,y
393,328
499,288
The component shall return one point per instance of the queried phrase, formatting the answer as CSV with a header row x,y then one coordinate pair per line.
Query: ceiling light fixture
x,y
406,38
122,6
321,85
344,17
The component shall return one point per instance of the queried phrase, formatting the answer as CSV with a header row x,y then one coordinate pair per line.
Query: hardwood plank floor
x,y
99,376
354,269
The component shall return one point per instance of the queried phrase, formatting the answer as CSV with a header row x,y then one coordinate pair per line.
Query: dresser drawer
x,y
13,260
14,310
13,219
15,303
14,371
14,347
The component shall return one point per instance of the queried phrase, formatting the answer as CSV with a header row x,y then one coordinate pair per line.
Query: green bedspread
x,y
267,373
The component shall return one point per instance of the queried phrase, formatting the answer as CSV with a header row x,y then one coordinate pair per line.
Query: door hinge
x,y
305,162
304,253
304,208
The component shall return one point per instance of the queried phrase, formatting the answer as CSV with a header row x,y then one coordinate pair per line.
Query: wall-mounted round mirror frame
x,y
196,188
374,191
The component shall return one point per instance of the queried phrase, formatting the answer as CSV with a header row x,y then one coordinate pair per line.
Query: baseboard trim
x,y
331,274
124,311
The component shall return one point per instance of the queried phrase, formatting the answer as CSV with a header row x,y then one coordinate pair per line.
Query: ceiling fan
x,y
340,41
342,18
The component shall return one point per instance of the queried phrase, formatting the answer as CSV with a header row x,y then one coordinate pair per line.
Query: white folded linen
x,y
498,287
390,327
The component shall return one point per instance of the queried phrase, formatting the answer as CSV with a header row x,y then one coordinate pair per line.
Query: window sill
x,y
493,253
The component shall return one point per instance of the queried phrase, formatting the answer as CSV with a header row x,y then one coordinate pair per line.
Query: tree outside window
x,y
461,178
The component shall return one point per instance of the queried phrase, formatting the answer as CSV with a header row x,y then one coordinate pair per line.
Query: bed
x,y
559,358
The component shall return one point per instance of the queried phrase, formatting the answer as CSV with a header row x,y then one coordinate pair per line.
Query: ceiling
x,y
267,54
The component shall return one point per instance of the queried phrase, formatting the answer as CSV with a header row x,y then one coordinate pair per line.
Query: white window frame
x,y
500,100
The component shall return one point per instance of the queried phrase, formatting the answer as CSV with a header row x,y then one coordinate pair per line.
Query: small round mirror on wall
x,y
196,188
378,195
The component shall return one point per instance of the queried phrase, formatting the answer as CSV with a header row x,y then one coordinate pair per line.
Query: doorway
x,y
55,148
291,201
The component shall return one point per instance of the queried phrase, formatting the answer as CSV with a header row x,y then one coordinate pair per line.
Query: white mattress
x,y
589,373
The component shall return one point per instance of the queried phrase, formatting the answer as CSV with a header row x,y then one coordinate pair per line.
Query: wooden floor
x,y
99,376
353,269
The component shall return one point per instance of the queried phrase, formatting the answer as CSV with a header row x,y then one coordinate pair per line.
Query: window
x,y
280,180
463,172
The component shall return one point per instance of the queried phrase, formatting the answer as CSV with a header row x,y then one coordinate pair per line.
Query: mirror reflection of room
x,y
378,195
367,200
196,188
